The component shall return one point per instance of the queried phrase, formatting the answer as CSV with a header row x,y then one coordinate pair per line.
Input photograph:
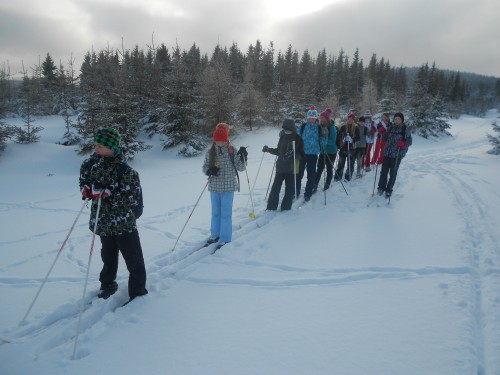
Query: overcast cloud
x,y
460,35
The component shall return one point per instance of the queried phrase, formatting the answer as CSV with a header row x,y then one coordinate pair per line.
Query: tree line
x,y
181,94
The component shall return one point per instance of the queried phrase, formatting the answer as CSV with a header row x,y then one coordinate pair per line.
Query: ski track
x,y
478,244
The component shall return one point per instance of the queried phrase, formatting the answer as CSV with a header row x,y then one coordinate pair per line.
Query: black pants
x,y
130,246
325,160
343,158
274,195
389,167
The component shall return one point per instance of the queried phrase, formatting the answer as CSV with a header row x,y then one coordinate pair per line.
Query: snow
x,y
349,287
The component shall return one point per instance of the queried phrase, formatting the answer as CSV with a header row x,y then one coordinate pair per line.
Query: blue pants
x,y
308,162
222,215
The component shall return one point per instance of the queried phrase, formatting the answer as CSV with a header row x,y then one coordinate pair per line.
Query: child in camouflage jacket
x,y
107,176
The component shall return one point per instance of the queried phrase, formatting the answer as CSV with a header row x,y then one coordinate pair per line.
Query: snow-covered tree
x,y
426,111
494,139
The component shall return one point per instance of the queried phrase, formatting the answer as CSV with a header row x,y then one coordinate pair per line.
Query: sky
x,y
460,35
345,284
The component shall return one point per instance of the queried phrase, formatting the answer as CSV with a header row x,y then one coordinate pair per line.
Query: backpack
x,y
302,127
403,135
339,141
136,209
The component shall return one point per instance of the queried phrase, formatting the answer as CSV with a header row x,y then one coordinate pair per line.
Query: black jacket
x,y
284,151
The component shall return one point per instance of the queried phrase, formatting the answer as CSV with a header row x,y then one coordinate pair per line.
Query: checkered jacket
x,y
227,179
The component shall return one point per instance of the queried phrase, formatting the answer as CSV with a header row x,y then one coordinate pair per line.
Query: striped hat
x,y
110,138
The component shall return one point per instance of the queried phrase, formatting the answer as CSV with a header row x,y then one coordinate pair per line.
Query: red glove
x,y
100,192
86,192
372,132
381,130
401,144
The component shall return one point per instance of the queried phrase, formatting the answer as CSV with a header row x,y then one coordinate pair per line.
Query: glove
x,y
381,130
372,132
96,192
243,153
401,145
348,138
265,149
86,192
214,171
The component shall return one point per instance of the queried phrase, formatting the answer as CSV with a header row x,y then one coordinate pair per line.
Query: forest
x,y
181,94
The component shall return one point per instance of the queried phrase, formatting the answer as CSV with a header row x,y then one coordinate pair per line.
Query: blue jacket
x,y
311,135
331,140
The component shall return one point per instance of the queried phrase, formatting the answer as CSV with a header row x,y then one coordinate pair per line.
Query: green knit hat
x,y
109,138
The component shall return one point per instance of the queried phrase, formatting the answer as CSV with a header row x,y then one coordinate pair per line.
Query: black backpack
x,y
137,209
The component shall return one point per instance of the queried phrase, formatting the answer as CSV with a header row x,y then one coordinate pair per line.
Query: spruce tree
x,y
494,139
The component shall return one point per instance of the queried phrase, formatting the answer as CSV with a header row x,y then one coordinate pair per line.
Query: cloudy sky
x,y
461,35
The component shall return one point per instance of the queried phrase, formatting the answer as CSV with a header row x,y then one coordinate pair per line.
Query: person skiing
x,y
328,151
313,141
360,146
106,177
370,127
221,166
398,138
382,126
350,135
286,165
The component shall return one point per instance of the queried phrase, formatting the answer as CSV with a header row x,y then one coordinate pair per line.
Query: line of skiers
x,y
317,142
116,194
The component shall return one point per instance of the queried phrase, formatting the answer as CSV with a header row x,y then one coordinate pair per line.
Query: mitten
x,y
96,192
381,130
214,171
86,192
243,153
265,149
401,144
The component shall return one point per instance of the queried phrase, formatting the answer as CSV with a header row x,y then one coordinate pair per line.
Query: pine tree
x,y
426,112
28,133
494,139
6,131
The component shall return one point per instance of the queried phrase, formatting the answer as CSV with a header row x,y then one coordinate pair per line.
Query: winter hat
x,y
221,133
368,114
362,119
352,116
289,124
312,113
110,138
327,113
400,115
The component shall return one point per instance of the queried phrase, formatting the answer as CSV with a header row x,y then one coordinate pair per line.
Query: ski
x,y
219,245
374,199
206,244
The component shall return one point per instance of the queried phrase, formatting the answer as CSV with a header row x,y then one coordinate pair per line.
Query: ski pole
x,y
335,172
54,262
270,178
324,175
294,170
191,213
375,180
87,275
394,172
251,214
257,176
349,161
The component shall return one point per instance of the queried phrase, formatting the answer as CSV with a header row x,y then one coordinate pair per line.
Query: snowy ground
x,y
342,288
